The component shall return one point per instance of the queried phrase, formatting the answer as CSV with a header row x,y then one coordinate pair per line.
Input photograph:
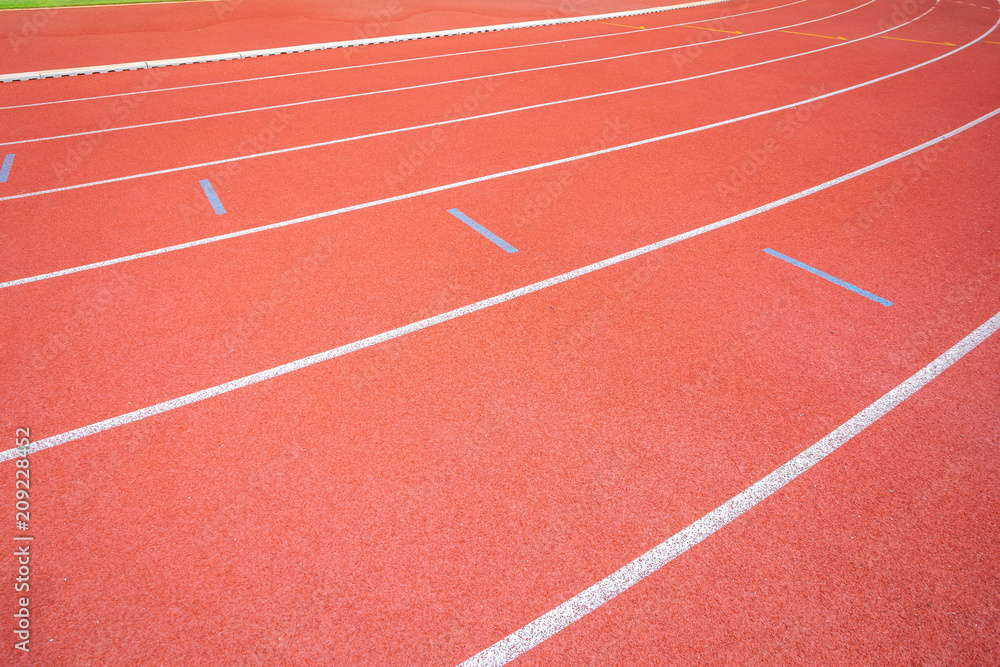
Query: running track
x,y
289,409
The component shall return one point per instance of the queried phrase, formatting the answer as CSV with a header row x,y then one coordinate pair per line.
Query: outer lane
x,y
149,210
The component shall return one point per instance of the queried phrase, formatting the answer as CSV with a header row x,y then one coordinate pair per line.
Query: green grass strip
x,y
36,4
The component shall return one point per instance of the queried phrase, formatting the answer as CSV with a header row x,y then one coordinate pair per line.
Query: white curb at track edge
x,y
150,64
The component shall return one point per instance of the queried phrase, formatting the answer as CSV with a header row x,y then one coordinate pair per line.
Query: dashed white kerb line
x,y
471,181
419,86
450,54
452,121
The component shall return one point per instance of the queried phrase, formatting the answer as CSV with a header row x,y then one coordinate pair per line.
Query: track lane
x,y
522,459
85,149
86,121
122,83
511,41
352,162
536,264
885,552
394,475
281,31
199,195
916,257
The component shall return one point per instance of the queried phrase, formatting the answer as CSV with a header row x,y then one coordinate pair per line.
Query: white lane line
x,y
387,62
458,184
150,64
572,610
299,364
292,149
420,86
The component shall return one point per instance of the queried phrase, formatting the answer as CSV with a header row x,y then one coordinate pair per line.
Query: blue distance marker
x,y
5,169
827,276
213,198
482,230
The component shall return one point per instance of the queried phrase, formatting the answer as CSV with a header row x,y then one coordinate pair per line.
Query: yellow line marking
x,y
809,34
991,42
919,41
620,25
698,27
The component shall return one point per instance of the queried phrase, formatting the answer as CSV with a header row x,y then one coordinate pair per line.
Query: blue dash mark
x,y
482,230
213,198
5,169
827,276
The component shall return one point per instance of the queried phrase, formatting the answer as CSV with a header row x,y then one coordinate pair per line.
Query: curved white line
x,y
277,371
615,584
388,62
331,142
420,86
481,179
367,41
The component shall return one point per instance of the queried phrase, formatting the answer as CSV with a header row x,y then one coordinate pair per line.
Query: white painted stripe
x,y
411,128
149,64
433,84
277,371
98,70
450,186
387,62
572,610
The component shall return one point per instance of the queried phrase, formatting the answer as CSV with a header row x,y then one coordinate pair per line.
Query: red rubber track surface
x,y
416,501
52,38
